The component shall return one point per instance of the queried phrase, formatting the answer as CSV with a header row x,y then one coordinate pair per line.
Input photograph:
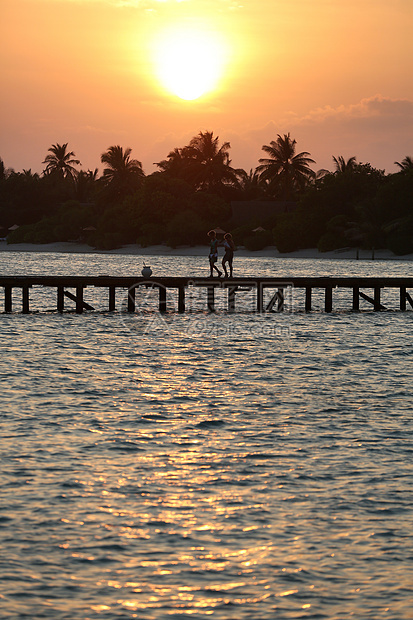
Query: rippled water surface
x,y
253,467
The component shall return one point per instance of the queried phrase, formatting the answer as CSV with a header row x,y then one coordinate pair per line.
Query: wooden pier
x,y
365,288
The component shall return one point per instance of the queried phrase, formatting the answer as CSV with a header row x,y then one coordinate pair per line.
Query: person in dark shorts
x,y
213,253
229,254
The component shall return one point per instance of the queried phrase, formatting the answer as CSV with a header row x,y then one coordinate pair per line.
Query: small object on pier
x,y
146,271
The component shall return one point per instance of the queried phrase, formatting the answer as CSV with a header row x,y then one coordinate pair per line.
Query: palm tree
x,y
286,171
202,163
122,175
60,161
175,165
406,164
250,184
85,184
344,166
210,163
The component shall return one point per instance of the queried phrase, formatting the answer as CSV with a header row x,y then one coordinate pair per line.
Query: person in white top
x,y
229,247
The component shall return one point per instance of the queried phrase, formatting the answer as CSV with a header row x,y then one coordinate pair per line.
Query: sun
x,y
189,62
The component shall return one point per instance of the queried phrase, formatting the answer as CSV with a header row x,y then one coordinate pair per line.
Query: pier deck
x,y
277,285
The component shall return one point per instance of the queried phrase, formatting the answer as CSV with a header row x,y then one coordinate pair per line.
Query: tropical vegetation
x,y
196,188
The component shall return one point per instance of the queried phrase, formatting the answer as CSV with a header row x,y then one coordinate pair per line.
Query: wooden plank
x,y
280,304
25,300
371,301
377,304
402,298
78,299
8,299
112,298
60,298
131,299
356,299
328,301
260,298
162,299
231,298
277,298
308,298
211,298
181,299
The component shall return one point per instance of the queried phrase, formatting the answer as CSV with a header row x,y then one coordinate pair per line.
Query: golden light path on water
x,y
212,474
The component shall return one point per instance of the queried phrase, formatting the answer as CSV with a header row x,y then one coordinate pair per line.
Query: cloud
x,y
378,130
377,107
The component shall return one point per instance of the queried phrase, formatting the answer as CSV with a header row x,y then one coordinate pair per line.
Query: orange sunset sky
x,y
95,73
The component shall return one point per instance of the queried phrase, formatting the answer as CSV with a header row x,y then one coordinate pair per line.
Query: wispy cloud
x,y
377,107
376,129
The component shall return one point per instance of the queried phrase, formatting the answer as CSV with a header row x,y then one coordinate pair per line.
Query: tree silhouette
x,y
60,161
250,184
406,164
203,163
344,166
122,174
285,171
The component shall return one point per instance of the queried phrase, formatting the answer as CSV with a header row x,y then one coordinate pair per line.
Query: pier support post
x,y
112,298
231,298
308,298
409,299
377,304
278,298
60,298
79,299
356,299
25,300
280,301
211,298
328,299
403,298
131,299
162,299
260,298
8,303
181,299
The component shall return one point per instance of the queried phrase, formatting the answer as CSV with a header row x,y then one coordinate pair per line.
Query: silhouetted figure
x,y
229,254
213,254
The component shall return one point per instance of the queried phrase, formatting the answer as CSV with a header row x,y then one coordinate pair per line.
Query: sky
x,y
337,75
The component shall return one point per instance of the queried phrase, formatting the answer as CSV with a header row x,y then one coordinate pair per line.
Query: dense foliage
x,y
355,205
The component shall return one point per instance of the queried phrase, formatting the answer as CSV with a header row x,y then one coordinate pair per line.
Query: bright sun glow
x,y
189,63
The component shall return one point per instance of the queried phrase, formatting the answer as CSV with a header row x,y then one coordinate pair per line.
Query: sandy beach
x,y
162,250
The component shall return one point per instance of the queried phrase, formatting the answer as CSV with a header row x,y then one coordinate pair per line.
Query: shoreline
x,y
161,250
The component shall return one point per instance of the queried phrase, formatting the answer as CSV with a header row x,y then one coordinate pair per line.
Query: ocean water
x,y
228,466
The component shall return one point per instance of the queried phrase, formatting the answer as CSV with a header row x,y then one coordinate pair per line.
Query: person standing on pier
x,y
229,246
213,254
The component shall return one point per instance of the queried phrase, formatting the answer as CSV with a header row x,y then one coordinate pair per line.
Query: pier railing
x,y
365,288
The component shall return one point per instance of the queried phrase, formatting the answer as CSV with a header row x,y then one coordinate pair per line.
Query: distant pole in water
x,y
357,254
372,253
